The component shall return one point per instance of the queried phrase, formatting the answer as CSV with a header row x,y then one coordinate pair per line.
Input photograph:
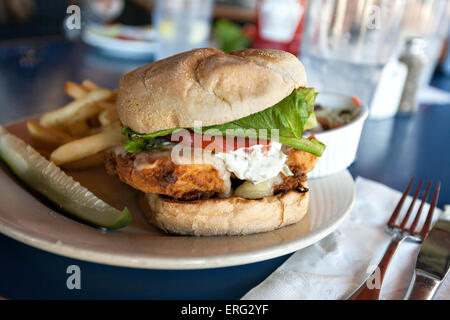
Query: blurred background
x,y
385,52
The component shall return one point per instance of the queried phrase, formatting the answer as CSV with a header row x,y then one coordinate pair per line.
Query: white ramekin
x,y
341,143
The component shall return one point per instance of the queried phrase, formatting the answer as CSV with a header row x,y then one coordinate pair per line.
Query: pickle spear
x,y
49,180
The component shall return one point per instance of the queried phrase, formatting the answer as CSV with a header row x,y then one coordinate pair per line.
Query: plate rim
x,y
182,263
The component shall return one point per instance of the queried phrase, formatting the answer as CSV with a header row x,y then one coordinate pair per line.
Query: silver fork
x,y
399,233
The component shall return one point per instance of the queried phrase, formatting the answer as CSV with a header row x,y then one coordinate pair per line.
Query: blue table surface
x,y
32,74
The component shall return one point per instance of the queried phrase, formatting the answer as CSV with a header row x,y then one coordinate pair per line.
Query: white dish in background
x,y
341,143
104,38
140,245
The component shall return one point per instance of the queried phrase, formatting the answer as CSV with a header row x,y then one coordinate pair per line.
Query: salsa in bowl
x,y
340,120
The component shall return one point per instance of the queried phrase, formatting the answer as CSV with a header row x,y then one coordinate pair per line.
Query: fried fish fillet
x,y
160,175
300,161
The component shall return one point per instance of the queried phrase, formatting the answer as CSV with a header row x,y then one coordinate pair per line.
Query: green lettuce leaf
x,y
288,116
291,116
138,142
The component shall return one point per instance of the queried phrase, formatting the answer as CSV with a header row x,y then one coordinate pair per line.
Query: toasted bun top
x,y
206,85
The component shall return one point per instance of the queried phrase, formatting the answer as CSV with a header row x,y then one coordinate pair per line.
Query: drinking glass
x,y
429,20
346,44
182,25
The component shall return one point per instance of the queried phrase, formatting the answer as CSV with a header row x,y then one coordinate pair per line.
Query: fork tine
x,y
424,199
427,225
391,222
408,213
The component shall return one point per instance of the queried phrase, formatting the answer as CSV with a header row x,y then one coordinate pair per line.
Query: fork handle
x,y
423,287
364,292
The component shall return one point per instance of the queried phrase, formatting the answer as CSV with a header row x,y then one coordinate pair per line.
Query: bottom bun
x,y
225,216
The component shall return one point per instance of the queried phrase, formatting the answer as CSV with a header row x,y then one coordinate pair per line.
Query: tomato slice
x,y
356,101
221,144
323,122
123,37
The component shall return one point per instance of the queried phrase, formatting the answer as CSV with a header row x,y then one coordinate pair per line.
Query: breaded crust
x,y
194,181
300,161
180,181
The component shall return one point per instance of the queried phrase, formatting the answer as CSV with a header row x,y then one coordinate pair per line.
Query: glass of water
x,y
182,25
346,44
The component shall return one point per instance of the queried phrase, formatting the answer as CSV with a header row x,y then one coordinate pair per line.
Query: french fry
x,y
44,152
78,129
85,163
108,116
81,130
89,85
87,146
113,97
77,110
93,122
107,104
74,90
47,138
95,130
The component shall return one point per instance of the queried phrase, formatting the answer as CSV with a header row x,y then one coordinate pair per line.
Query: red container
x,y
279,24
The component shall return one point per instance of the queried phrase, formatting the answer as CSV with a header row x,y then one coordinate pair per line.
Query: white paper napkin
x,y
337,265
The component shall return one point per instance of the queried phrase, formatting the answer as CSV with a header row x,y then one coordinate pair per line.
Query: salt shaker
x,y
415,58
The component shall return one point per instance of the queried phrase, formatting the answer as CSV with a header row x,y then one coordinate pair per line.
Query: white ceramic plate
x,y
144,46
140,245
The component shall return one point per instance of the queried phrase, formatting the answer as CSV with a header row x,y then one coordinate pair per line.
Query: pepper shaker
x,y
415,58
